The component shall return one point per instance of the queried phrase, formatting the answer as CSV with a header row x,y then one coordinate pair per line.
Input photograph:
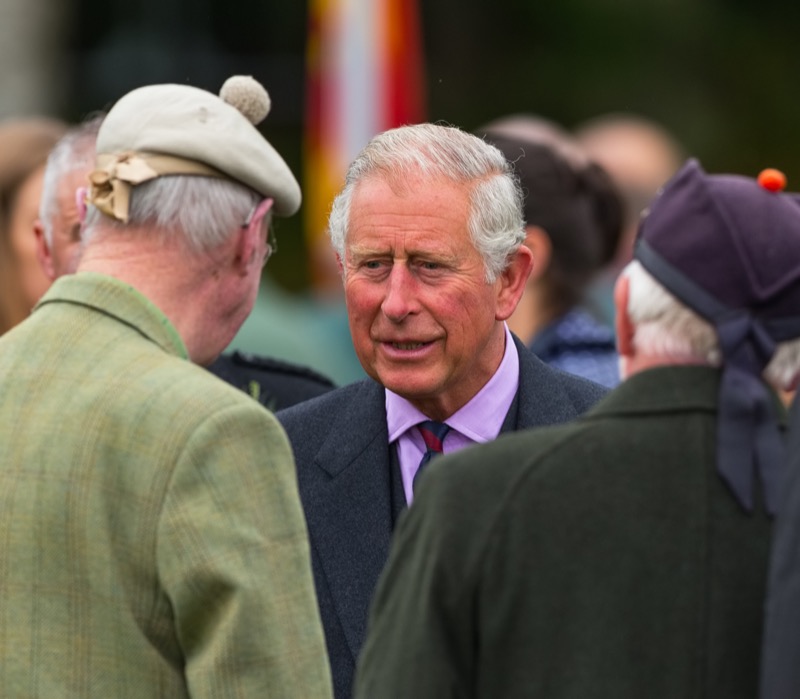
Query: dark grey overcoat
x,y
604,559
351,494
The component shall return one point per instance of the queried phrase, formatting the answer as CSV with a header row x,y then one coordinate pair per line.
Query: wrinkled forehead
x,y
407,201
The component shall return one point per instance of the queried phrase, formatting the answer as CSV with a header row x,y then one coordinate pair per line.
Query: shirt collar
x,y
481,418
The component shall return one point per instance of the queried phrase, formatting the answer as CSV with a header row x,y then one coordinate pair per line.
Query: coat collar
x,y
114,298
667,388
662,389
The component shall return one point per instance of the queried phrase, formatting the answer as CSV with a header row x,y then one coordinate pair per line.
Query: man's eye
x,y
373,264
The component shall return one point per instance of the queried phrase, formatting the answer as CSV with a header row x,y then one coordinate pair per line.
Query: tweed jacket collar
x,y
118,300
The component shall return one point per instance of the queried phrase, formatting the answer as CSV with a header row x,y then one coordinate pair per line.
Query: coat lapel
x,y
348,507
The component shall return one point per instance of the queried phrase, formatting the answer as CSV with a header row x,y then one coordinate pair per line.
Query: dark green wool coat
x,y
601,559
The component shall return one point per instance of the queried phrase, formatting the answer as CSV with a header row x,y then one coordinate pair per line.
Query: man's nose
x,y
400,299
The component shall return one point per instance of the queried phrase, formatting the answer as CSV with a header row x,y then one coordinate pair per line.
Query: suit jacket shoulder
x,y
339,422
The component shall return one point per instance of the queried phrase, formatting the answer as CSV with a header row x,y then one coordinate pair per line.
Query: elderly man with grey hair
x,y
623,555
58,228
428,231
154,543
272,382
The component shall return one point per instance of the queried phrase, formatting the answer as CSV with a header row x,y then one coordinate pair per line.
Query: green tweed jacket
x,y
604,559
152,542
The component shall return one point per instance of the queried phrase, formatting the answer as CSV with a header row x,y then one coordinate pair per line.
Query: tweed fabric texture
x,y
151,538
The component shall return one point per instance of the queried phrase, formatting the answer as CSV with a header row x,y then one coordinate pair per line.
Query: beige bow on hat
x,y
110,184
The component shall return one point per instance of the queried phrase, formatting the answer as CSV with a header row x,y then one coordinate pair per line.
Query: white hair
x,y
666,327
203,210
496,224
74,151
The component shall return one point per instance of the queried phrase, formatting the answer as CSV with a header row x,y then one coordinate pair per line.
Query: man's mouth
x,y
408,345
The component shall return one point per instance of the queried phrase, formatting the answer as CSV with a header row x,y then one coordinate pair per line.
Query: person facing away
x,y
623,555
428,231
274,383
573,222
154,541
640,154
57,230
24,145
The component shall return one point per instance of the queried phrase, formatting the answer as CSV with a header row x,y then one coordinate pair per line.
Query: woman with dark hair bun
x,y
574,219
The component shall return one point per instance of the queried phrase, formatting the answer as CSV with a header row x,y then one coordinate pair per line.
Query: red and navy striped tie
x,y
433,434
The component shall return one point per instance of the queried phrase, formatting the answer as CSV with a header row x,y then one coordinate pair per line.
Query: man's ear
x,y
512,281
80,203
43,253
622,323
246,248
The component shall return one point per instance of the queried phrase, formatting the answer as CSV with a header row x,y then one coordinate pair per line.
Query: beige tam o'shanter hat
x,y
181,130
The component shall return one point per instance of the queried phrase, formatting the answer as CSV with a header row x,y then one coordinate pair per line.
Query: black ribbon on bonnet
x,y
748,438
749,441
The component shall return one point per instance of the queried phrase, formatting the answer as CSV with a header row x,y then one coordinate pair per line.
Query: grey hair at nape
x,y
204,210
434,151
667,327
74,151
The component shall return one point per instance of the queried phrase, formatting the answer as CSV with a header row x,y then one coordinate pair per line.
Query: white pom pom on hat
x,y
195,124
248,96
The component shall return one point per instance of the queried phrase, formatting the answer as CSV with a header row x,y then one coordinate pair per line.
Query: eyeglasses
x,y
260,211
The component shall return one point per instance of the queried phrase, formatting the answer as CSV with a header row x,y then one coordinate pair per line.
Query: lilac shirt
x,y
476,422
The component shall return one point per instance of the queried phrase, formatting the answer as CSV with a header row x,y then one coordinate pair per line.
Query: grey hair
x,y
496,224
665,326
204,210
74,151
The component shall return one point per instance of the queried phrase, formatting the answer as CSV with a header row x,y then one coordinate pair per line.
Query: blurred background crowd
x,y
713,80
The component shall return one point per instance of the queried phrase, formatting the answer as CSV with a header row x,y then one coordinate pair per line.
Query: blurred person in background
x,y
58,227
24,146
573,222
273,382
640,155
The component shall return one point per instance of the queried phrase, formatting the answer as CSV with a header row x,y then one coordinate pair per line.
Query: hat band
x,y
111,182
700,301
